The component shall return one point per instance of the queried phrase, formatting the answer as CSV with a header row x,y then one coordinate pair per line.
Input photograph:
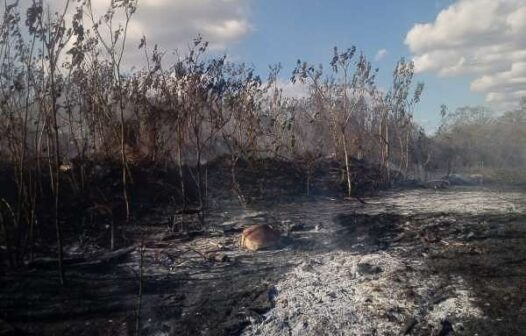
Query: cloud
x,y
171,24
293,90
380,55
482,38
174,23
221,22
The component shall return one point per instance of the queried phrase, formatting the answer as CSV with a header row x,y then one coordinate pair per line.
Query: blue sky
x,y
284,31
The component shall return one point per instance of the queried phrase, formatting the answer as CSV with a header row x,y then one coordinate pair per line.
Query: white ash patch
x,y
250,214
452,200
339,293
456,308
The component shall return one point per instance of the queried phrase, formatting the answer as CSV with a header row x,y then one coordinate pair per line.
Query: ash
x,y
342,294
436,269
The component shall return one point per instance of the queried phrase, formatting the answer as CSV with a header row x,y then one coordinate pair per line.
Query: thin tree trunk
x,y
57,179
235,184
124,163
347,167
180,166
387,154
406,168
200,182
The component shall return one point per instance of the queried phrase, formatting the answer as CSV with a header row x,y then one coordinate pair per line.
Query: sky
x,y
467,52
284,31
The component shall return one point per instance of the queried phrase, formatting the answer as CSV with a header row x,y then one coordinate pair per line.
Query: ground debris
x,y
347,269
336,293
112,256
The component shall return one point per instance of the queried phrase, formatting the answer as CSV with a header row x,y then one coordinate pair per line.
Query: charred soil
x,y
416,261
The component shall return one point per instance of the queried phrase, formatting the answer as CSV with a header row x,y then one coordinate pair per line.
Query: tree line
x,y
475,139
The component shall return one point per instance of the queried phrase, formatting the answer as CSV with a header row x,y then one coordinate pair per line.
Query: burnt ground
x,y
415,261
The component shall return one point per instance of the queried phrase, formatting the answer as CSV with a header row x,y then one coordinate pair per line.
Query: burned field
x,y
415,261
152,191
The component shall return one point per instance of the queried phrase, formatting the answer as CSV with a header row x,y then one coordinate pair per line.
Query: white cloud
x,y
293,90
175,22
172,24
380,55
484,38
